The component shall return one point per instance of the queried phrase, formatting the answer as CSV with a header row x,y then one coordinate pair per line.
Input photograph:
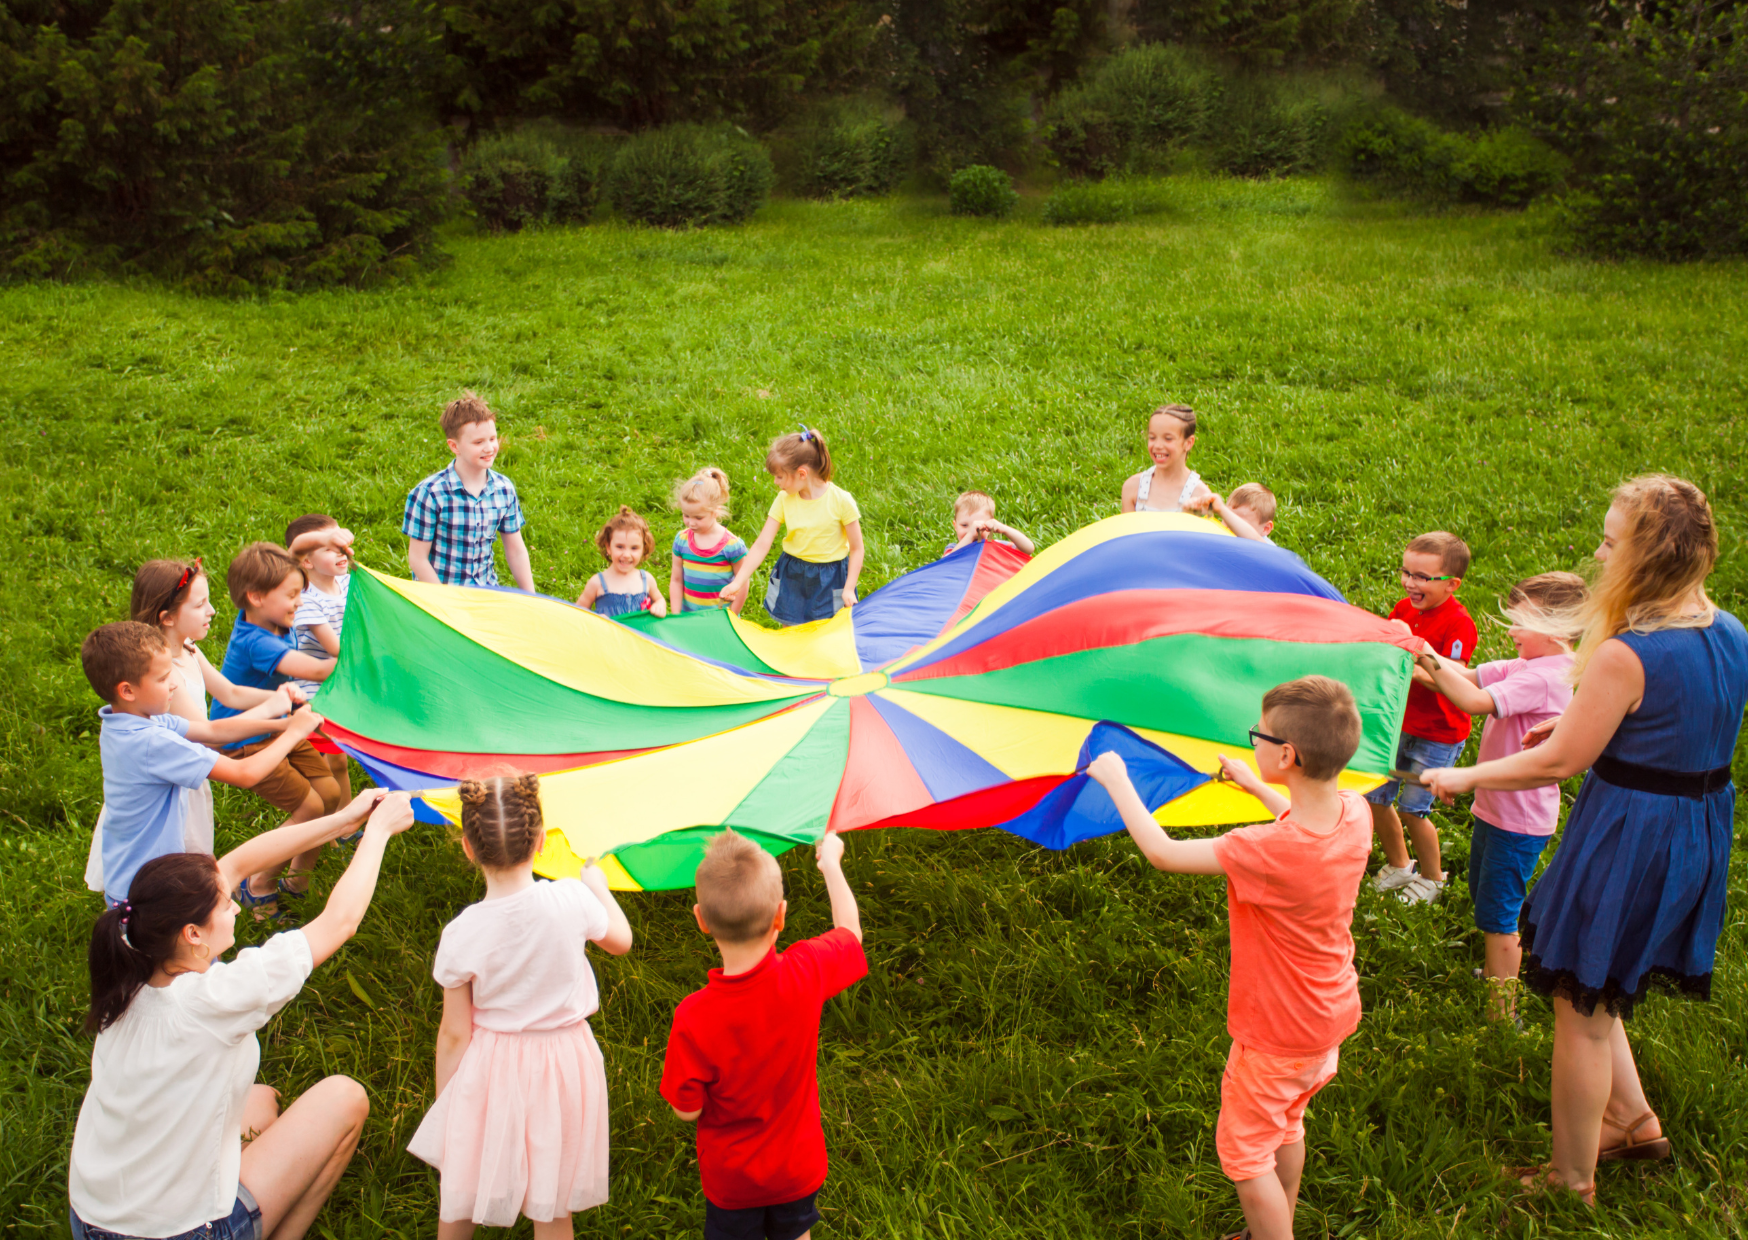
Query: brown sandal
x,y
1544,1179
1631,1149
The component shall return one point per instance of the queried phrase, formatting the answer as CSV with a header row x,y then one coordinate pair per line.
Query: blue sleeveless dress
x,y
629,604
1636,891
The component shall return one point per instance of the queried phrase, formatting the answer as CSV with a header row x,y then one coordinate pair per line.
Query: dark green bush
x,y
685,176
543,175
1139,109
982,190
227,146
1266,127
1652,105
849,149
1505,168
1103,202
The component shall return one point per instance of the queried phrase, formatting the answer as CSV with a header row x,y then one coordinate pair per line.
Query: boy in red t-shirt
x,y
743,1052
1433,730
1290,891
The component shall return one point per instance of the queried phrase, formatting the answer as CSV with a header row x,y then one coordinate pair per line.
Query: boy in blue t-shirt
x,y
266,585
150,755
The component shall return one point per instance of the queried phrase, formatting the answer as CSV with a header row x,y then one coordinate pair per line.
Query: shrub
x,y
849,149
1652,105
982,190
225,146
1103,202
542,175
1140,107
1264,127
1506,168
685,176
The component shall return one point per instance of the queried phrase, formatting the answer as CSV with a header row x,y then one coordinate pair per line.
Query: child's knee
x,y
328,790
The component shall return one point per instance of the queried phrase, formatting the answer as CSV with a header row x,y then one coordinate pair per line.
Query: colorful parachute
x,y
960,695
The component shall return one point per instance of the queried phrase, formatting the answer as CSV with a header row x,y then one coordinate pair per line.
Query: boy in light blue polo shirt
x,y
150,755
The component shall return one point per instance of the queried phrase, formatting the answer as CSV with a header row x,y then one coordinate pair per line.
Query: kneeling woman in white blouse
x,y
158,1151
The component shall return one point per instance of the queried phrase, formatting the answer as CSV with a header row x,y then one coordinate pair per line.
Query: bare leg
x,y
1289,1166
259,1112
1267,1212
341,766
1583,1083
1388,828
1504,959
293,1166
558,1229
1626,1098
457,1231
1425,837
311,808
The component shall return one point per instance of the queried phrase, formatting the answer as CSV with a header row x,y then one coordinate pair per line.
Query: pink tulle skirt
x,y
521,1128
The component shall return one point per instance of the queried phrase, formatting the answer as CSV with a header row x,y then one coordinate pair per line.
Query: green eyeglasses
x,y
1422,578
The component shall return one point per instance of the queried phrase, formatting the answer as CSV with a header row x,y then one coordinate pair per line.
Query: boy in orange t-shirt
x,y
1290,891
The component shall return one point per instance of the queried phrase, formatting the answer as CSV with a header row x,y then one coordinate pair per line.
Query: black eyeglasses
x,y
1422,578
1256,736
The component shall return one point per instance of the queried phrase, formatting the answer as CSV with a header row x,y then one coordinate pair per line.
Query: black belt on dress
x,y
1695,784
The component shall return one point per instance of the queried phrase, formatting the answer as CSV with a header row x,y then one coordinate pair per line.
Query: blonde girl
x,y
174,597
1169,484
816,574
705,553
1637,890
625,588
519,1126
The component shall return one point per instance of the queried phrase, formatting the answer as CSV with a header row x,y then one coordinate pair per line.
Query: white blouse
x,y
158,1147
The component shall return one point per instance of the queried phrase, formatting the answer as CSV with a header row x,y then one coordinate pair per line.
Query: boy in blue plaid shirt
x,y
454,516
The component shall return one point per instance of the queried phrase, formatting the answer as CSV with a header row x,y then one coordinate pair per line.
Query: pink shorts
x,y
1262,1106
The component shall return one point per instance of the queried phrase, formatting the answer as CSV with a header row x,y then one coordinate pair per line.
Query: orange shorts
x,y
1262,1106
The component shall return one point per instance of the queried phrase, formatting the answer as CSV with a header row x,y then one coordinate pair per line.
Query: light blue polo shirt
x,y
147,762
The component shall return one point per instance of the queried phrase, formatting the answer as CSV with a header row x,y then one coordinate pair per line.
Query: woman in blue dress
x,y
1635,893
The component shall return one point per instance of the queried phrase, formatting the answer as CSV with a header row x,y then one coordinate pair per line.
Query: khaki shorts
x,y
286,785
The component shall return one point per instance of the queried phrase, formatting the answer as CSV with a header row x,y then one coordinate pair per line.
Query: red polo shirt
x,y
745,1050
1448,629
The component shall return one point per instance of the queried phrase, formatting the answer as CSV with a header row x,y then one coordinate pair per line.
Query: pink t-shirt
x,y
1525,692
526,956
1290,895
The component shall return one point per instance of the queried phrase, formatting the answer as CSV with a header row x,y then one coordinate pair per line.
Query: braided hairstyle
x,y
500,819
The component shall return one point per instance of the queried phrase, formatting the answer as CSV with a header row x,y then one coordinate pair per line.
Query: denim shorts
x,y
242,1223
801,590
784,1222
1415,753
1501,863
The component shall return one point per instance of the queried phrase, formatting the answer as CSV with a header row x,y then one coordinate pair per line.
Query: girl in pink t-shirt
x,y
1512,828
520,1121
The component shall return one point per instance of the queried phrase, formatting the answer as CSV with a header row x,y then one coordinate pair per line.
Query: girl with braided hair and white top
x,y
1169,484
519,1126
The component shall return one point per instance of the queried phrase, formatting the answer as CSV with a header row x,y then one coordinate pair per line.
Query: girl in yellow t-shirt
x,y
822,552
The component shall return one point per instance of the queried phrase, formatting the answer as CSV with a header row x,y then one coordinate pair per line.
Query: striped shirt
x,y
313,608
704,573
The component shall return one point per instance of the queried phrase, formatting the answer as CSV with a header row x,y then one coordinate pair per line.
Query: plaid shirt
x,y
460,527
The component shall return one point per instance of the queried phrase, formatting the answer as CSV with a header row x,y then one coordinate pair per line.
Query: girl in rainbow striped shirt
x,y
705,553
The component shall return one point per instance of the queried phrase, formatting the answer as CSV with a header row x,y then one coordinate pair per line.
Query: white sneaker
x,y
1391,876
1420,890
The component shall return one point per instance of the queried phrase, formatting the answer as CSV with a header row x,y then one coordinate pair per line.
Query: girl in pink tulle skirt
x,y
520,1121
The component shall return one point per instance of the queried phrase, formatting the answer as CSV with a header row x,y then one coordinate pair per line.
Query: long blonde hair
x,y
1670,547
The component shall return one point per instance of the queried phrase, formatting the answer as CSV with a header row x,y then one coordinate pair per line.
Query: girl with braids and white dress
x,y
520,1121
1169,484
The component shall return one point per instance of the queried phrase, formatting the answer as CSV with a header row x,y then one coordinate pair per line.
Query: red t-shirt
x,y
1448,629
1290,896
745,1050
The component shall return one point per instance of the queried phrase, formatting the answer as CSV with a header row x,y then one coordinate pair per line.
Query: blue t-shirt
x,y
147,762
252,659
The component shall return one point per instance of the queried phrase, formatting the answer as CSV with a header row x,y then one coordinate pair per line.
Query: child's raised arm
x,y
301,666
237,697
736,589
247,772
1460,685
830,855
617,940
1019,540
1172,856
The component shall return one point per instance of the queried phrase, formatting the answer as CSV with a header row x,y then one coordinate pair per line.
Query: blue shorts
x,y
1501,864
784,1222
1416,753
242,1223
801,590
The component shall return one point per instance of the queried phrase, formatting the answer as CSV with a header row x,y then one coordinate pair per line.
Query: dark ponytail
x,y
132,939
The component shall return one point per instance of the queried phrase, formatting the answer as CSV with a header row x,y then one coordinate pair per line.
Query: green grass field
x,y
1037,1049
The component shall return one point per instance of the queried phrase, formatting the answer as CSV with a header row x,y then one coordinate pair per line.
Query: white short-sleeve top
x,y
158,1147
526,956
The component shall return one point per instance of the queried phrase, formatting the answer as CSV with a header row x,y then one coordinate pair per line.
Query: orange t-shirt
x,y
1290,895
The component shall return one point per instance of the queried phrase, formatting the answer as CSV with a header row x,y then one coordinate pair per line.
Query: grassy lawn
x,y
1037,1050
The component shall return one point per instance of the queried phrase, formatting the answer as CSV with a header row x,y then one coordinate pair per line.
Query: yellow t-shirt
x,y
816,526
